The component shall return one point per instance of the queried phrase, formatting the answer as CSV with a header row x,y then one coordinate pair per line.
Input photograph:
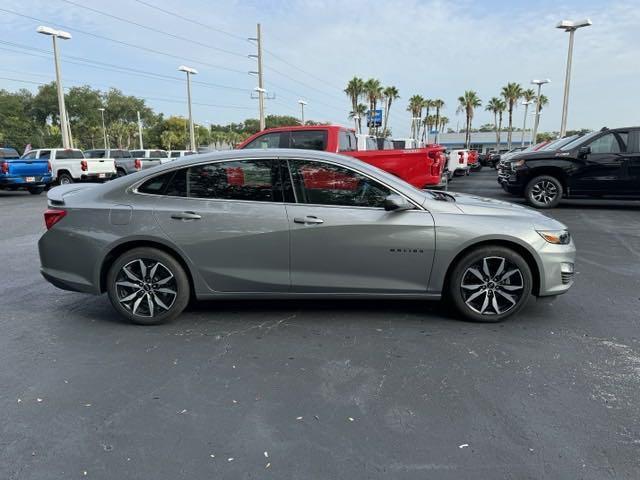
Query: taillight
x,y
137,164
53,216
49,165
83,165
460,157
4,166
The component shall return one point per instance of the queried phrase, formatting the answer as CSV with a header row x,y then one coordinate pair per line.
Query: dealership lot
x,y
325,389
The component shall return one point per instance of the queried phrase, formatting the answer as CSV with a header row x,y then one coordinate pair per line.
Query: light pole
x,y
64,124
571,27
302,104
192,135
416,131
524,124
539,83
104,130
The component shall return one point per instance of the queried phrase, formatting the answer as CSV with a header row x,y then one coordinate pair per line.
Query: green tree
x,y
438,104
415,106
389,94
467,103
373,91
511,93
496,106
355,90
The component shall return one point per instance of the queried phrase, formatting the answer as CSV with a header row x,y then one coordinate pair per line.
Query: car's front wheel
x,y
148,286
490,284
65,179
544,191
36,190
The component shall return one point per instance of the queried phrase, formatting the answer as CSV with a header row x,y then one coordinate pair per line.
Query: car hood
x,y
475,205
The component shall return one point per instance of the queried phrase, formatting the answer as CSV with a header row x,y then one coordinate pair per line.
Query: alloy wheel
x,y
544,192
146,287
492,286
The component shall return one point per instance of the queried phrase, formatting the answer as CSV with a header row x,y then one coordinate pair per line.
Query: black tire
x,y
544,191
509,291
64,179
120,172
149,303
36,190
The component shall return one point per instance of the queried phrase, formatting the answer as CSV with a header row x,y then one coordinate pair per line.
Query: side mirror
x,y
396,203
584,151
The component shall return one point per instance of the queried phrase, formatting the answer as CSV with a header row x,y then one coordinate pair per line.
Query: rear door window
x,y
45,155
157,154
175,154
607,143
308,139
69,154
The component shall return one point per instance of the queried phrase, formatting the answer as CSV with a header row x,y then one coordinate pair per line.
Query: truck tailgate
x,y
28,168
100,165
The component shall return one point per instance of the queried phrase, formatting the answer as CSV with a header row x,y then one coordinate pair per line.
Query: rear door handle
x,y
308,220
186,216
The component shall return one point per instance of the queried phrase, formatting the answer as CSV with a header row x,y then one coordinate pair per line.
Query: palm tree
x,y
528,96
357,114
467,103
543,101
373,91
428,103
438,104
431,121
511,94
389,94
355,90
496,106
444,121
415,106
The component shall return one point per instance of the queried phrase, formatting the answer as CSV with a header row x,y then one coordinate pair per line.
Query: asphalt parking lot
x,y
325,390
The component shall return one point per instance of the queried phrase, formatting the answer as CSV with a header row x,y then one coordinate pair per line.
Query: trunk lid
x,y
100,165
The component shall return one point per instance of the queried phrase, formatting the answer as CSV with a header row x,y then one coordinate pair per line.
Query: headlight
x,y
557,237
517,164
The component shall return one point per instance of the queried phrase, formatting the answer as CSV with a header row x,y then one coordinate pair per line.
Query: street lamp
x,y
64,124
104,130
539,83
524,124
302,104
416,131
571,27
192,136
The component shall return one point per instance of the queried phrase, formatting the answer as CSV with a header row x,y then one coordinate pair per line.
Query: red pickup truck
x,y
421,167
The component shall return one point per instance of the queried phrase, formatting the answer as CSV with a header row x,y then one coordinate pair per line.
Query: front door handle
x,y
186,216
308,220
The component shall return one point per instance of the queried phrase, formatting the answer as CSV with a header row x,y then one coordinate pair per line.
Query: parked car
x,y
504,166
422,168
173,154
69,165
125,163
32,175
473,161
151,156
366,142
458,162
295,224
600,164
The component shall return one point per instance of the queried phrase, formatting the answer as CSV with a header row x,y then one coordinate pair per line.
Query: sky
x,y
434,48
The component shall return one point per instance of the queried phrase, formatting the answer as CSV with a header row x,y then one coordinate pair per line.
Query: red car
x,y
421,167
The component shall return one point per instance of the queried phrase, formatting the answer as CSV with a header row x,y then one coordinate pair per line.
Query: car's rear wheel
x,y
544,191
36,190
65,179
148,286
490,284
120,172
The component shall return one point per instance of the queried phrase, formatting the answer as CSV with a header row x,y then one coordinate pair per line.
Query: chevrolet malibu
x,y
295,224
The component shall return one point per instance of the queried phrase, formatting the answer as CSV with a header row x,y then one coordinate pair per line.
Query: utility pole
x,y
140,131
539,83
192,137
524,123
68,129
104,130
260,73
302,104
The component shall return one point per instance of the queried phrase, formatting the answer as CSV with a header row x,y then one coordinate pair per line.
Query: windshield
x,y
579,141
560,142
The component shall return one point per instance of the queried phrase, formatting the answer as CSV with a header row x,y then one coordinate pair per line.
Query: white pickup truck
x,y
69,165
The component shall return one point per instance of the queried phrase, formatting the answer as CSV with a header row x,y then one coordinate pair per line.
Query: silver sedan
x,y
295,224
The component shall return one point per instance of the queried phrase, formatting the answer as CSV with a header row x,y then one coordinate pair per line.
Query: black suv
x,y
600,164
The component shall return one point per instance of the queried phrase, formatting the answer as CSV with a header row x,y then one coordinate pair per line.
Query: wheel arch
x,y
121,248
552,171
517,247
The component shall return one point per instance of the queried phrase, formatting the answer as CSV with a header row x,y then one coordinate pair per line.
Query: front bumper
x,y
554,260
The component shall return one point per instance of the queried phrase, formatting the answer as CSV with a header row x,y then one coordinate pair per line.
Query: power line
x,y
139,47
116,68
178,37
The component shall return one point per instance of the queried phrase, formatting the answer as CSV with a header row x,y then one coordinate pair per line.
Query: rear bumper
x,y
20,181
67,281
97,177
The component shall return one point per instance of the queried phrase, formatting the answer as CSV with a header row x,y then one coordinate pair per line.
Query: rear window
x,y
68,154
137,153
175,154
268,140
9,153
157,154
308,139
93,154
347,141
372,144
